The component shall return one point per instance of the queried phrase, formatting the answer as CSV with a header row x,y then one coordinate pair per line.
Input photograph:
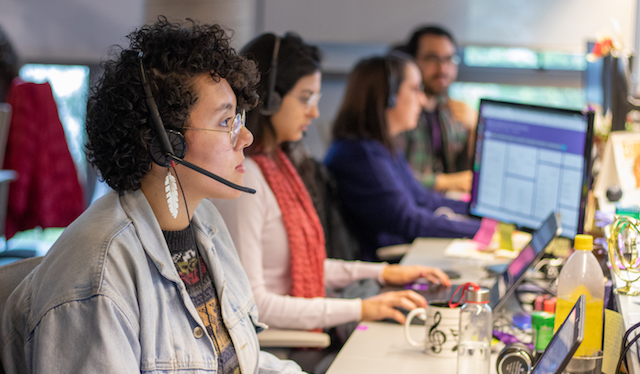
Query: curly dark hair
x,y
296,59
119,128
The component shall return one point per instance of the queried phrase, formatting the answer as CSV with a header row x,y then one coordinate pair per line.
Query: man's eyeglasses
x,y
234,131
310,101
445,60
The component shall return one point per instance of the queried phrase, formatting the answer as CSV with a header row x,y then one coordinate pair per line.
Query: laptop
x,y
506,283
564,343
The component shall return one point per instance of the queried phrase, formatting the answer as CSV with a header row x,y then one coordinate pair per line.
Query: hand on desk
x,y
384,305
399,275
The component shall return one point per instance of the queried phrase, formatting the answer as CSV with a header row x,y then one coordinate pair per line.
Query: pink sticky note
x,y
485,233
361,327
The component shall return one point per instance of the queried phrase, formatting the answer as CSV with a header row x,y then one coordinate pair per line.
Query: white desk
x,y
380,347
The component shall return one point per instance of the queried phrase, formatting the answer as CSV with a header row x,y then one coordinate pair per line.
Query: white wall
x,y
555,24
83,30
68,30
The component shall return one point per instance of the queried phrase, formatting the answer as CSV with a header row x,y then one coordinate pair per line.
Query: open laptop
x,y
564,343
507,282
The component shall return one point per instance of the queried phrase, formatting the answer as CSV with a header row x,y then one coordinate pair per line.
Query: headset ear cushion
x,y
393,98
270,108
178,143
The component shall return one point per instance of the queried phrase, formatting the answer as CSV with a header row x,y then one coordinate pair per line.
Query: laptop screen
x,y
514,274
564,342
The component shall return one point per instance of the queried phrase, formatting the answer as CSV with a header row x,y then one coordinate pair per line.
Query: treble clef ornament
x,y
436,337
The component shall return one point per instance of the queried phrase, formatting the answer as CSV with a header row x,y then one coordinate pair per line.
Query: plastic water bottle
x,y
474,341
582,275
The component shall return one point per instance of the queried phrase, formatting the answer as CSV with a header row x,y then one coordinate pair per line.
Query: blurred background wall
x,y
528,51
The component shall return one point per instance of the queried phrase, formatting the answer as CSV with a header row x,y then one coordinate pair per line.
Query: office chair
x,y
284,343
10,276
5,120
279,342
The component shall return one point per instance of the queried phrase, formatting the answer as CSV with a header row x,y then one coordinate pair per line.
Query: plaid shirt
x,y
418,146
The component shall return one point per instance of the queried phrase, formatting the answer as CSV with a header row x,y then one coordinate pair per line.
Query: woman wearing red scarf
x,y
277,232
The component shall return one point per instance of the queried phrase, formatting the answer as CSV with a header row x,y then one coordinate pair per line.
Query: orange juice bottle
x,y
582,275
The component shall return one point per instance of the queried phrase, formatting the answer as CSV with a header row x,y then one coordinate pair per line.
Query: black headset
x,y
515,358
168,146
394,84
272,99
166,143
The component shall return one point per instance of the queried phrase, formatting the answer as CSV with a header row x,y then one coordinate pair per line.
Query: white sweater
x,y
256,226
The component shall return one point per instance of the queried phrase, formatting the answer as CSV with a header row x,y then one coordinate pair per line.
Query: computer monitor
x,y
596,87
530,161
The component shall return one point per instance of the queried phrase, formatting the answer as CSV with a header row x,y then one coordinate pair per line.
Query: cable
x,y
195,242
626,347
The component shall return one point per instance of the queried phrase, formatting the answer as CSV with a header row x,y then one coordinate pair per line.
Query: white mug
x,y
442,324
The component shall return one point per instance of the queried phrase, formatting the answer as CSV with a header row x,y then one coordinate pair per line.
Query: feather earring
x,y
171,190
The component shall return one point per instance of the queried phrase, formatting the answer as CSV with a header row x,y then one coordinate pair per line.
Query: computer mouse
x,y
452,274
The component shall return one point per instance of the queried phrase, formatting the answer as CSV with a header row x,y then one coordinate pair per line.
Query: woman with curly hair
x,y
147,279
277,232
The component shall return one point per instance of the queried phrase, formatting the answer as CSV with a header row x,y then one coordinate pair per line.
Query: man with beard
x,y
439,149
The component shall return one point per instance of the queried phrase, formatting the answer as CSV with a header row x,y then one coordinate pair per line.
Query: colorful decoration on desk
x,y
601,48
607,44
505,231
485,234
623,252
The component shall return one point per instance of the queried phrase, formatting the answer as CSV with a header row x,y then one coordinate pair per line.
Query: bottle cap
x,y
481,296
550,305
583,242
538,303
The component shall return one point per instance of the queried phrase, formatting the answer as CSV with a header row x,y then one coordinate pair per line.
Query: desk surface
x,y
380,347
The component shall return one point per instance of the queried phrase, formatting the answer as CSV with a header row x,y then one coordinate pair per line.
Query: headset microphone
x,y
211,175
172,146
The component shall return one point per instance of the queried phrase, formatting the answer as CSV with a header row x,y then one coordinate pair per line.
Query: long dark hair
x,y
370,85
295,60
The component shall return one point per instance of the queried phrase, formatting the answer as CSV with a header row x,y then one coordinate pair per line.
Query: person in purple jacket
x,y
385,203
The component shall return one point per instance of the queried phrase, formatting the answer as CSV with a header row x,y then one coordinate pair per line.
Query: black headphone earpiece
x,y
515,358
394,85
166,143
272,100
160,156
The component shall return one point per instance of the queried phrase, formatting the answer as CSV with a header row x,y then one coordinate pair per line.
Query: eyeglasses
x,y
234,131
446,60
310,101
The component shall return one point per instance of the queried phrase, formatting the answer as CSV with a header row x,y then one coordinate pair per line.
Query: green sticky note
x,y
505,231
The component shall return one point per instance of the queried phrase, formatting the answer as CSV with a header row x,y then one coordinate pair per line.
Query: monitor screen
x,y
564,343
530,161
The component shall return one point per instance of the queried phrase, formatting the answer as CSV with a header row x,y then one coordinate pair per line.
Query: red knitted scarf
x,y
304,231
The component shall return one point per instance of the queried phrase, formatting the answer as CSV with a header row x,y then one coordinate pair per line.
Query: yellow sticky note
x,y
613,332
505,231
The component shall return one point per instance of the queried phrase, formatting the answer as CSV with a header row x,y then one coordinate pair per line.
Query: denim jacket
x,y
107,299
